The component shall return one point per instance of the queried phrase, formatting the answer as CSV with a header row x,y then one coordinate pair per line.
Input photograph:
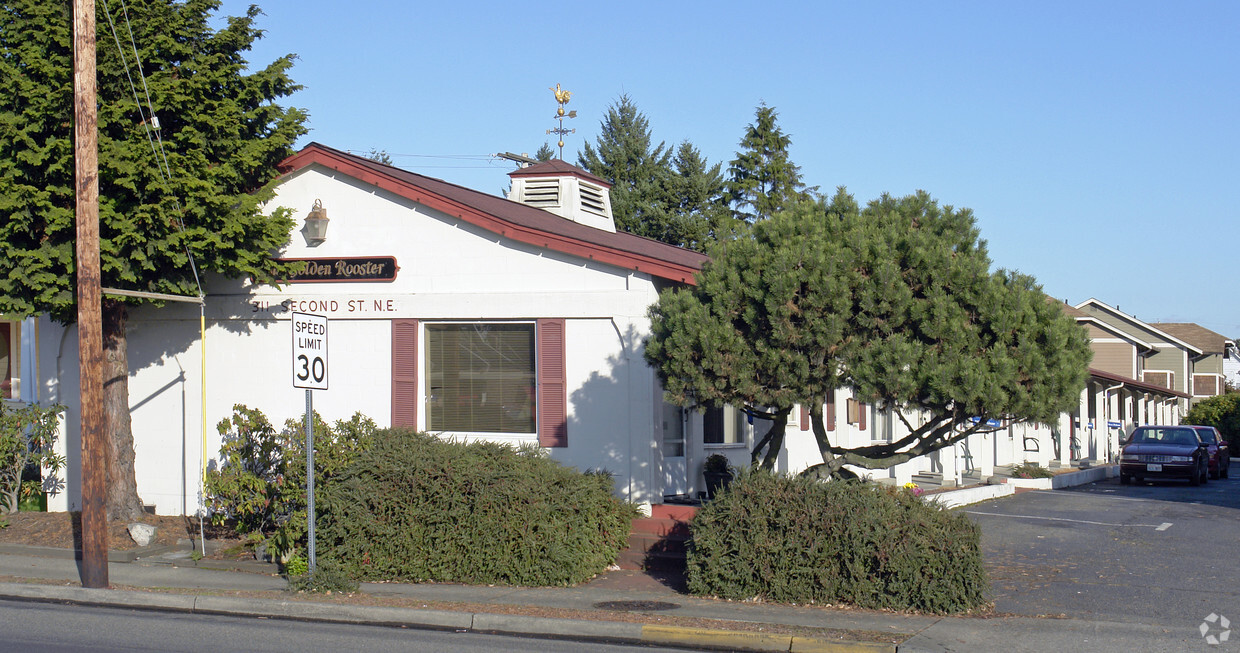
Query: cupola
x,y
565,190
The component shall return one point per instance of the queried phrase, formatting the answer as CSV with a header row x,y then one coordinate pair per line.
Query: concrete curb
x,y
439,619
747,641
113,556
1070,479
970,495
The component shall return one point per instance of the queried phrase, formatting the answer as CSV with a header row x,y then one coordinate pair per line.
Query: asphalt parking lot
x,y
1160,553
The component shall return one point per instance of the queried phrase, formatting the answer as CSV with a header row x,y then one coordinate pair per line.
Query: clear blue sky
x,y
1096,142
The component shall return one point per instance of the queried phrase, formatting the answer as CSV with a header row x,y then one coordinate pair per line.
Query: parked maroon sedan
x,y
1220,454
1164,452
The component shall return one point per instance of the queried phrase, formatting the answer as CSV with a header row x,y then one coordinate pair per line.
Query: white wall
x,y
448,270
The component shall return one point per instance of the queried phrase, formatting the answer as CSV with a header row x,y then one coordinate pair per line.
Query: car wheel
x,y
1194,478
1124,479
1205,472
1139,479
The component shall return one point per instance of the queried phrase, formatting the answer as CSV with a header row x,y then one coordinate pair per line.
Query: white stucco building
x,y
450,310
470,315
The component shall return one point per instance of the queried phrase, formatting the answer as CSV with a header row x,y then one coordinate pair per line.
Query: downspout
x,y
628,390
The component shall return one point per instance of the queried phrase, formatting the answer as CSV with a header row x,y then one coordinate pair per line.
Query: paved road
x,y
1159,553
28,627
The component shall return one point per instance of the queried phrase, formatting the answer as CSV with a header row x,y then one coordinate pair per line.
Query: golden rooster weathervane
x,y
562,96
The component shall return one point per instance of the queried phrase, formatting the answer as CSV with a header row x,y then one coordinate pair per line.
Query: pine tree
x,y
223,135
763,180
895,301
545,153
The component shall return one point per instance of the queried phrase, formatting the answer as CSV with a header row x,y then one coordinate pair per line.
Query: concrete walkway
x,y
170,580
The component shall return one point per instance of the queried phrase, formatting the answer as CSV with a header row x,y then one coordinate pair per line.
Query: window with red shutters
x,y
469,386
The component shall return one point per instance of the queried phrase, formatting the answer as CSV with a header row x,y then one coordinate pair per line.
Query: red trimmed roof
x,y
510,219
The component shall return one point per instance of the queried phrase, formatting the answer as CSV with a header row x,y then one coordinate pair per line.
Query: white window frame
x,y
424,352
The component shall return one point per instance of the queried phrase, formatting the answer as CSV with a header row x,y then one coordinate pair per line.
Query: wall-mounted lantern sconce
x,y
315,229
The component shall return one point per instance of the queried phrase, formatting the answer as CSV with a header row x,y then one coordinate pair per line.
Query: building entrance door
x,y
675,467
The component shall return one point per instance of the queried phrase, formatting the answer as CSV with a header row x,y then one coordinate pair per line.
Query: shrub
x,y
1031,470
1221,412
27,438
259,480
416,507
327,578
797,540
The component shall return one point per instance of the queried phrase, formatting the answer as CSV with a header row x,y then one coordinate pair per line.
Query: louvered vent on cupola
x,y
565,190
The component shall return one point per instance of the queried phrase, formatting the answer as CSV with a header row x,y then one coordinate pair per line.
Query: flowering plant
x,y
912,487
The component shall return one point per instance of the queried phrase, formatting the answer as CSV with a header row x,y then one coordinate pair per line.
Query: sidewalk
x,y
616,606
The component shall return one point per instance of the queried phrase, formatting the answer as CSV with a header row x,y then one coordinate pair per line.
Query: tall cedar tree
x,y
223,135
673,200
763,180
895,301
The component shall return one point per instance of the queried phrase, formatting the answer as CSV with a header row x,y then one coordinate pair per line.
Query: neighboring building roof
x,y
1085,318
1071,310
1140,385
510,219
1145,325
1204,339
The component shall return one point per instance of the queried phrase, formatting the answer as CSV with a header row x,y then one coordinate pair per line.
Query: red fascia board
x,y
521,233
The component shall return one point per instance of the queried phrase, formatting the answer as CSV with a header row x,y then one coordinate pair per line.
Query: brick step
x,y
657,526
658,542
664,543
655,560
673,511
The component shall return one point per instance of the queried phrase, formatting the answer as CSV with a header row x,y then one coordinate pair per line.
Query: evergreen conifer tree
x,y
222,133
640,173
762,178
672,198
895,301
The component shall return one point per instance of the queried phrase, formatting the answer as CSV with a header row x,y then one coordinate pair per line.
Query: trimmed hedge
x,y
796,540
418,508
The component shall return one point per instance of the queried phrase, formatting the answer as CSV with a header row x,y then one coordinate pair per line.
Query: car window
x,y
1164,436
1184,436
1207,435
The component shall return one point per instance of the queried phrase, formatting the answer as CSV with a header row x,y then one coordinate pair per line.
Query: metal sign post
x,y
310,372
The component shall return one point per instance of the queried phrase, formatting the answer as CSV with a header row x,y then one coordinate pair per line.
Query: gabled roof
x,y
1085,318
1144,325
510,219
1204,339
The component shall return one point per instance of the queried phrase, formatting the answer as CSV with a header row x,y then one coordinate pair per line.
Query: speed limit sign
x,y
309,351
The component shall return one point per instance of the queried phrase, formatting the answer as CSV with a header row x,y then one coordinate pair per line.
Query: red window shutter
x,y
831,411
405,373
861,411
804,417
552,385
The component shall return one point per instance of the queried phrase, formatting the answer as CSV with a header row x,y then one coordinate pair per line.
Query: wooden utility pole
x,y
89,299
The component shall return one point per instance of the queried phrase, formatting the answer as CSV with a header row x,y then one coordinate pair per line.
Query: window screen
x,y
480,378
